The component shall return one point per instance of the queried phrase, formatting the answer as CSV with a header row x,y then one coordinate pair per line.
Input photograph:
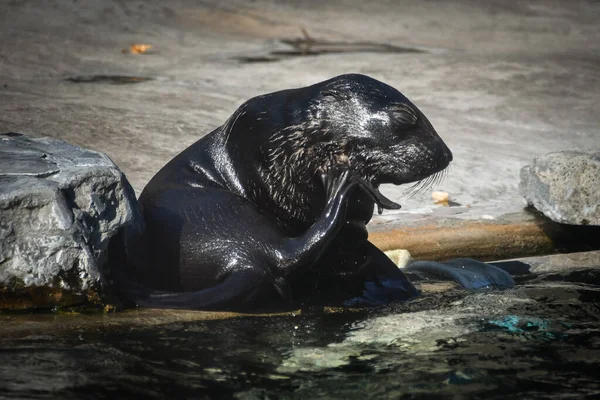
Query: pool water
x,y
539,340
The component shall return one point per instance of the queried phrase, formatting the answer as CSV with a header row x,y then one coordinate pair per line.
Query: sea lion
x,y
270,209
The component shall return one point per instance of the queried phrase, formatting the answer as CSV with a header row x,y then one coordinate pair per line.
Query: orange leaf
x,y
139,48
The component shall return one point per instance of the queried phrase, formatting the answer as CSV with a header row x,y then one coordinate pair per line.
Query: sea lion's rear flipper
x,y
241,288
381,280
471,274
379,293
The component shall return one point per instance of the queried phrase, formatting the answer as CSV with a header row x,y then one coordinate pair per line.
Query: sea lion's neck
x,y
291,173
295,192
203,164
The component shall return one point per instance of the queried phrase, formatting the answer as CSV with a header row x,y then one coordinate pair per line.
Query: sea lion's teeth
x,y
381,200
384,202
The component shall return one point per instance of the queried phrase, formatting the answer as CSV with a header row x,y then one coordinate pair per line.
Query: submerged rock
x,y
59,206
415,333
565,186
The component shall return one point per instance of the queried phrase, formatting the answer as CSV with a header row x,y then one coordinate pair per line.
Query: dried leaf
x,y
139,48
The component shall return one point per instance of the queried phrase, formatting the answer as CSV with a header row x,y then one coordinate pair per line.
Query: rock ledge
x,y
565,186
59,206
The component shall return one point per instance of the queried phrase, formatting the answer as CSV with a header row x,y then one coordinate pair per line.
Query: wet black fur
x,y
242,219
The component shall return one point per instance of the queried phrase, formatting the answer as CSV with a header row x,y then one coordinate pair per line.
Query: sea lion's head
x,y
378,132
351,120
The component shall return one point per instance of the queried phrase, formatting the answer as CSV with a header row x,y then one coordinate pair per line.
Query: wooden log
x,y
515,236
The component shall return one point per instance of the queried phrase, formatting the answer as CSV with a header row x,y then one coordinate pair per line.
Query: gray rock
x,y
565,186
59,206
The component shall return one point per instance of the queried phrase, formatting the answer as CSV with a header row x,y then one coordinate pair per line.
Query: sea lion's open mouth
x,y
420,184
381,201
357,225
384,202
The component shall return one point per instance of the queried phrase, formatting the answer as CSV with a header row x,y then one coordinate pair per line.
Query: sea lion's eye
x,y
403,114
335,94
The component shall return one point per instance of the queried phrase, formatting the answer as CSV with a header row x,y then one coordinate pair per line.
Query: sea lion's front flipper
x,y
471,274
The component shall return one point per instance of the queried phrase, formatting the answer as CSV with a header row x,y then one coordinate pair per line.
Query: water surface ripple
x,y
539,340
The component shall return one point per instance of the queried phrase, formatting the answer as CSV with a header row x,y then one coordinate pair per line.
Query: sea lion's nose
x,y
448,155
444,153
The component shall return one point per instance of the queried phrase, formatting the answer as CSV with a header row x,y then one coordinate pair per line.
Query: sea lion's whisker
x,y
407,190
429,182
418,187
439,177
445,173
435,180
425,184
410,191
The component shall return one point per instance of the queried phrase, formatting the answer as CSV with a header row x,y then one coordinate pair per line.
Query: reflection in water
x,y
539,339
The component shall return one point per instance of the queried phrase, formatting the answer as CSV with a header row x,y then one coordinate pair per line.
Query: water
x,y
540,340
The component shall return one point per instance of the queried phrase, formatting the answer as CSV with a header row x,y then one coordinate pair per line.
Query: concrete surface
x,y
502,81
